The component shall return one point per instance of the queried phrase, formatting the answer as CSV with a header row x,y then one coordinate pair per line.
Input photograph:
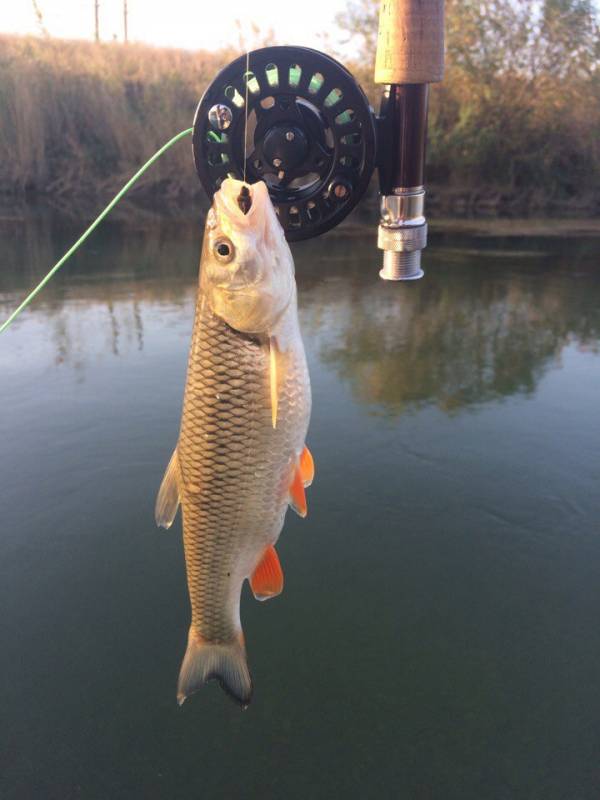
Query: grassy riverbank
x,y
79,118
514,128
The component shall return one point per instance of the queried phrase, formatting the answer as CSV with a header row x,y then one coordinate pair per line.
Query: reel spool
x,y
310,135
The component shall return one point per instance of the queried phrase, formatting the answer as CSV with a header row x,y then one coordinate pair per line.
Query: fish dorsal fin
x,y
167,500
307,467
274,389
297,498
267,579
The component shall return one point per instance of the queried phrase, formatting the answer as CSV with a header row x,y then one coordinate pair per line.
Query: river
x,y
439,633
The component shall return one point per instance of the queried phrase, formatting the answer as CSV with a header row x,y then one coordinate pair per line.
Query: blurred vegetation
x,y
79,117
514,127
516,123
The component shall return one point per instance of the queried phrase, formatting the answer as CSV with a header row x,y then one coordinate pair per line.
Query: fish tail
x,y
224,661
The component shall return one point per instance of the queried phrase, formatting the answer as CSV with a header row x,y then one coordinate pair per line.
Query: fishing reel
x,y
296,119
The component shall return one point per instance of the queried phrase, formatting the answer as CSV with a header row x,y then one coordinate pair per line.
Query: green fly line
x,y
93,226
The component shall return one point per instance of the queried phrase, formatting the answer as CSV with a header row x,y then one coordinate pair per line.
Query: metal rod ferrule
x,y
402,233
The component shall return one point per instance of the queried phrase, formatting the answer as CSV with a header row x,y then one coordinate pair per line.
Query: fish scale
x,y
235,467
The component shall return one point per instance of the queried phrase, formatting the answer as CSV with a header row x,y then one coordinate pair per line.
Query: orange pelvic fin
x,y
267,578
297,495
307,467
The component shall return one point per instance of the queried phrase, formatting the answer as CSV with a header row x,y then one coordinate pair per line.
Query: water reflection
x,y
99,301
485,324
453,346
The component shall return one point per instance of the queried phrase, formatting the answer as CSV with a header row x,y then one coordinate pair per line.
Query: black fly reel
x,y
301,123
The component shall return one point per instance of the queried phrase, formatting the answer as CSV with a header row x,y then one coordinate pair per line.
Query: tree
x,y
518,113
359,23
568,37
39,18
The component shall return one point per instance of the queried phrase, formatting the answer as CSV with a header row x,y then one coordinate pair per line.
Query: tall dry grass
x,y
78,118
514,127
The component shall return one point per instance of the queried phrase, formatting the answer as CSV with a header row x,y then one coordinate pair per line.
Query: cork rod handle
x,y
410,42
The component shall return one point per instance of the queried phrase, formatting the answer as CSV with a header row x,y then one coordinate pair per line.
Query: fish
x,y
241,458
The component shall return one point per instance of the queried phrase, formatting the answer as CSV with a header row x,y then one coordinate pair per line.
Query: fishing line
x,y
94,225
247,76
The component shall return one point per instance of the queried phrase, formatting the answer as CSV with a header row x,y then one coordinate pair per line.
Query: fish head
x,y
246,269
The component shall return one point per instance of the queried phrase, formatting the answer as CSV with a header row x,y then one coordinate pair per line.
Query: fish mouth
x,y
243,202
244,199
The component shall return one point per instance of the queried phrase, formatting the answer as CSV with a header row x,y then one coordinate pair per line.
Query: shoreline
x,y
362,222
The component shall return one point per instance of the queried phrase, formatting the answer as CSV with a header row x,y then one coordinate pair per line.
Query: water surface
x,y
439,632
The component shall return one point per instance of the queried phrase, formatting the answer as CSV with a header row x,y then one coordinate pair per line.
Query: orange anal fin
x,y
267,579
307,467
297,494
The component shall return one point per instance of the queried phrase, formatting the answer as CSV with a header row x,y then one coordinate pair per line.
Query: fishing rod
x,y
410,56
297,119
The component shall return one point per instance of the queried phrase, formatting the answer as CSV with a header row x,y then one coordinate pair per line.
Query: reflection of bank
x,y
482,327
478,331
98,303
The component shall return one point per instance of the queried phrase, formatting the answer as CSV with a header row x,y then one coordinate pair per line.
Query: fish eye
x,y
223,250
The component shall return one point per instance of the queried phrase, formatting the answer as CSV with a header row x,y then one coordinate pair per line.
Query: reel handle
x,y
410,56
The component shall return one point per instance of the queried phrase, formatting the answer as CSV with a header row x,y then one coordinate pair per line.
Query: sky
x,y
191,24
